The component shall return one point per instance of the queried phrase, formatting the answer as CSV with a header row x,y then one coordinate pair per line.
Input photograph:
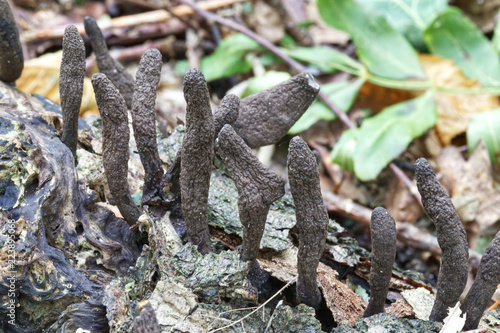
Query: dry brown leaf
x,y
454,110
471,186
41,76
267,22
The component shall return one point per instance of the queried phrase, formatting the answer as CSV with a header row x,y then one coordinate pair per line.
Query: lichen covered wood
x,y
312,218
451,238
71,85
257,188
197,154
115,141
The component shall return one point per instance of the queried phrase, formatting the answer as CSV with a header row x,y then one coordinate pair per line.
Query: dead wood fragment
x,y
451,237
484,286
266,117
197,154
115,141
120,78
383,234
144,116
11,53
257,188
312,218
71,85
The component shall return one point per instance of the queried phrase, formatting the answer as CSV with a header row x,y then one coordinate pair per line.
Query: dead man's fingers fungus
x,y
451,238
115,72
383,234
11,53
144,116
71,85
266,117
484,286
115,144
257,186
197,154
312,218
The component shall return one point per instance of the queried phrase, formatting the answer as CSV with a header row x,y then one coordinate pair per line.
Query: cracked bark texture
x,y
197,154
312,218
383,235
115,141
115,72
484,286
144,117
71,85
266,117
11,53
258,187
451,238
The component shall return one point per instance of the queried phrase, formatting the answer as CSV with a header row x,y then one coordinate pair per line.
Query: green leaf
x,y
385,136
230,57
268,80
341,93
325,58
485,126
409,17
452,35
379,46
496,37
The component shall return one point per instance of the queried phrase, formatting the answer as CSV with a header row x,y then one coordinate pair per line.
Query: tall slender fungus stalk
x,y
144,116
115,141
258,187
11,53
197,154
383,233
71,85
312,218
451,238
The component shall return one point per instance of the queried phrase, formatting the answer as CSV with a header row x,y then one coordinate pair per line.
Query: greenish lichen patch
x,y
213,276
347,250
223,213
388,323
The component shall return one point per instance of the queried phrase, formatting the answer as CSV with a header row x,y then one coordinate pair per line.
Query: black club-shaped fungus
x,y
115,72
258,187
71,85
197,154
451,238
312,218
11,53
143,116
484,286
266,117
115,145
383,234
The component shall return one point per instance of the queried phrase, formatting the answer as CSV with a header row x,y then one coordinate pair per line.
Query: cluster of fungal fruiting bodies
x,y
235,128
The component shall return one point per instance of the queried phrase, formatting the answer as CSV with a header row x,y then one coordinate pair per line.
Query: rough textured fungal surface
x,y
257,187
383,234
121,79
143,116
227,112
146,321
451,238
312,218
11,53
71,85
197,154
115,140
266,117
484,286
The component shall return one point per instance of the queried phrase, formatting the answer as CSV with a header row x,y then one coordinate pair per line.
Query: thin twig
x,y
257,309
